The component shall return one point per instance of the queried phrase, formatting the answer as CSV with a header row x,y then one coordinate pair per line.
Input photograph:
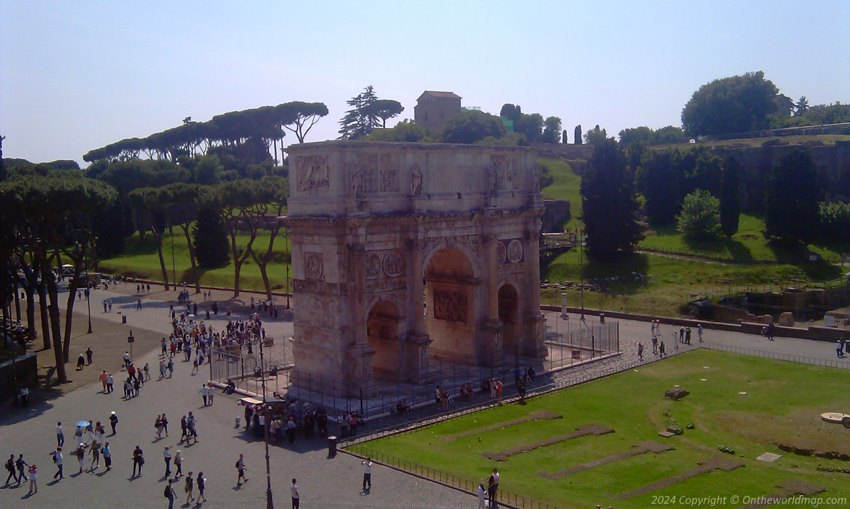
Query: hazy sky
x,y
77,75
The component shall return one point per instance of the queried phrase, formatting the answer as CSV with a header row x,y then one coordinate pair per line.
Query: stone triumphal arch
x,y
406,252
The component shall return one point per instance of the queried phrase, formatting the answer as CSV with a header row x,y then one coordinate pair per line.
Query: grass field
x,y
782,405
747,261
141,259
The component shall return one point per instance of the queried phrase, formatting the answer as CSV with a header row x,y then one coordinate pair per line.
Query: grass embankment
x,y
782,405
140,258
825,139
709,268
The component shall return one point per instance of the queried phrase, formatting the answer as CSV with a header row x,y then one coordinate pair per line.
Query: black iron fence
x,y
505,498
246,368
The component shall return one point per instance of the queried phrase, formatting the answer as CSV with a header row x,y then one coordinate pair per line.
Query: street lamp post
x,y
581,268
88,285
173,272
269,499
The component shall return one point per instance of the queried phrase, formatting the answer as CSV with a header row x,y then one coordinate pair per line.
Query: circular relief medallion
x,y
501,252
373,265
515,251
393,264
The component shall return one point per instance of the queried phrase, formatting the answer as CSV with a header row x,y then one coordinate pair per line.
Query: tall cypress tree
x,y
609,203
211,246
730,200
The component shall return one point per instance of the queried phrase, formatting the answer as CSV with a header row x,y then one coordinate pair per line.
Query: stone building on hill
x,y
434,109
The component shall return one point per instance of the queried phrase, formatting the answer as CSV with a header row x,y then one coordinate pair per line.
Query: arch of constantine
x,y
407,252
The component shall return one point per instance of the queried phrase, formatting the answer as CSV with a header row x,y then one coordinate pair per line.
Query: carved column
x,y
417,341
532,342
359,371
490,343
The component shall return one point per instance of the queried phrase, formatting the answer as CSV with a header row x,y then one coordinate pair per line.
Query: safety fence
x,y
504,497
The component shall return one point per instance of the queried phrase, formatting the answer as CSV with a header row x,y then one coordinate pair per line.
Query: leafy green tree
x,y
299,117
700,168
577,135
208,170
596,136
471,126
531,126
658,180
700,216
609,203
730,199
641,134
385,109
510,111
669,135
732,105
210,238
361,119
833,221
552,130
801,107
150,206
406,130
791,210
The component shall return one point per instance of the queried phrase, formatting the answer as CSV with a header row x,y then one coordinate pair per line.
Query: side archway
x,y
451,295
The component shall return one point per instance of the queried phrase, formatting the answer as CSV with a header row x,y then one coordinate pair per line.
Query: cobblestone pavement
x,y
323,482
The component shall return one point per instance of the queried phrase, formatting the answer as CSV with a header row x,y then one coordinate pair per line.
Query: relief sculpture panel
x,y
450,305
312,173
393,264
314,267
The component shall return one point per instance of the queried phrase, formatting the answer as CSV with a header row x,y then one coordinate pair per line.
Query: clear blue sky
x,y
78,75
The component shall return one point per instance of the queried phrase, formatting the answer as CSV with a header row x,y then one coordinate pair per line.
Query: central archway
x,y
450,299
382,334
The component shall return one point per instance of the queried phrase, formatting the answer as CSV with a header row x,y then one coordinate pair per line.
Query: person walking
x,y
699,332
10,467
89,355
21,466
169,494
204,393
80,453
240,468
367,474
166,455
60,437
164,422
107,456
202,487
110,382
103,376
113,421
33,472
60,462
138,460
178,464
190,488
293,491
94,450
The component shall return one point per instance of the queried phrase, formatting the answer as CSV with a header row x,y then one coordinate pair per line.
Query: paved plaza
x,y
323,482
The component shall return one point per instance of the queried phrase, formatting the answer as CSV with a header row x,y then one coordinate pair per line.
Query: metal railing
x,y
827,363
504,497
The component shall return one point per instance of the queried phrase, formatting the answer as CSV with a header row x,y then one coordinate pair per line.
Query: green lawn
x,y
566,186
141,259
782,405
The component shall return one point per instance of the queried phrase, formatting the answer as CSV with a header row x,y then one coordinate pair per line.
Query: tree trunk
x,y
191,248
55,326
30,312
45,318
158,237
69,312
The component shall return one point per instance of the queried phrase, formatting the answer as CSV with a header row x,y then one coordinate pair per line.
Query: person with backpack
x,y
80,453
60,462
178,463
240,467
21,465
169,494
10,467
